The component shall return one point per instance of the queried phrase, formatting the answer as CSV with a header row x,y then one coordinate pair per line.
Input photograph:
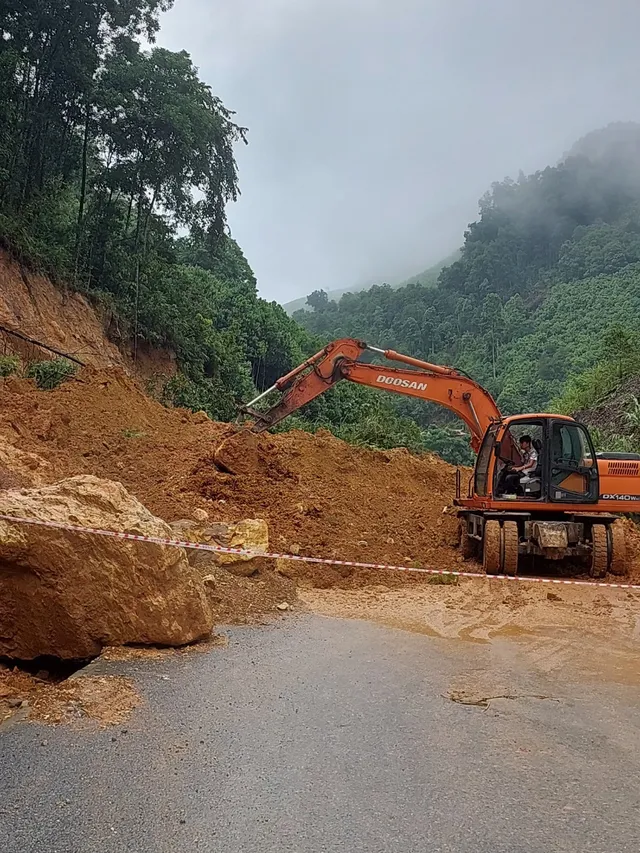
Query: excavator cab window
x,y
481,477
573,466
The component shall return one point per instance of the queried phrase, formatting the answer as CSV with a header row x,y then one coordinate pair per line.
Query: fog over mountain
x,y
375,127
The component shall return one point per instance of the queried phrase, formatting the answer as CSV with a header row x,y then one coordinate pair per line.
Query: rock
x,y
200,418
294,549
14,702
284,605
288,568
251,534
247,568
200,514
69,595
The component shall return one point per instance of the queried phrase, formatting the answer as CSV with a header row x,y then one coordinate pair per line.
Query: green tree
x,y
318,300
621,347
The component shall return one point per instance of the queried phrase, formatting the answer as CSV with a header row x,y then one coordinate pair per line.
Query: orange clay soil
x,y
320,496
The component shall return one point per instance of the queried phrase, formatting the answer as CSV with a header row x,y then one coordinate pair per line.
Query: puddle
x,y
512,630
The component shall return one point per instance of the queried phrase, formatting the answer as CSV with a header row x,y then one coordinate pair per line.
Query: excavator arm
x,y
341,360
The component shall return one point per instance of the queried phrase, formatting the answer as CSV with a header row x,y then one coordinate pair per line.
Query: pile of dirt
x,y
318,495
101,422
322,497
101,700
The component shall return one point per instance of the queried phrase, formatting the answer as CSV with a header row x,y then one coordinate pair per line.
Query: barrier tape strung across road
x,y
199,546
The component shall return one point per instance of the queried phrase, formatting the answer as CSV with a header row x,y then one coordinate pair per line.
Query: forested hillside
x,y
116,166
543,306
428,276
108,151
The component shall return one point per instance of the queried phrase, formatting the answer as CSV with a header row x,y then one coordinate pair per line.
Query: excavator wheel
x,y
491,548
599,551
510,541
467,544
617,548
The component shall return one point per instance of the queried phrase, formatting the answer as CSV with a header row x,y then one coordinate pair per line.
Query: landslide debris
x,y
68,595
99,699
318,495
611,413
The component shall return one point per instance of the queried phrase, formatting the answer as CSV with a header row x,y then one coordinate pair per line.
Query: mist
x,y
374,128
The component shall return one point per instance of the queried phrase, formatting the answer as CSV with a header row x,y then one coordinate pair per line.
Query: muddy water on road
x,y
577,633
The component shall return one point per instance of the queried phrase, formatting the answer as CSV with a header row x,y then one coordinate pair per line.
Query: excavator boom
x,y
341,359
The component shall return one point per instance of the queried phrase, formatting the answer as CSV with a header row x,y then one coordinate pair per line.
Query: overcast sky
x,y
376,125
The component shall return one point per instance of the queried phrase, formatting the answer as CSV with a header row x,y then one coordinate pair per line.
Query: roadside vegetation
x,y
117,163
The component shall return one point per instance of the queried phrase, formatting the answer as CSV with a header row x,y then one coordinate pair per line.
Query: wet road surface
x,y
322,734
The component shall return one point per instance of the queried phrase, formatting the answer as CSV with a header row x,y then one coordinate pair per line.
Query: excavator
x,y
568,507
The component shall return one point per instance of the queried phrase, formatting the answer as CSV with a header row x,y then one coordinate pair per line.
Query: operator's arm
x,y
530,464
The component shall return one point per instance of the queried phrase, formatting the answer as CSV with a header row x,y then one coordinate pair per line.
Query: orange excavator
x,y
567,507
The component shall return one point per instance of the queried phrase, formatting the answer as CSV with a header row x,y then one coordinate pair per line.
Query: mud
x,y
580,633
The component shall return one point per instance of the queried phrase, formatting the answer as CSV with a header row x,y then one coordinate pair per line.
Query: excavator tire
x,y
617,548
599,551
491,548
510,541
467,544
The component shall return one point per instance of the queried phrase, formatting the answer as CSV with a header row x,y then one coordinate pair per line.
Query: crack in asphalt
x,y
463,698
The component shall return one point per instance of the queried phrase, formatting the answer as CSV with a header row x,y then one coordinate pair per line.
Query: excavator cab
x,y
566,470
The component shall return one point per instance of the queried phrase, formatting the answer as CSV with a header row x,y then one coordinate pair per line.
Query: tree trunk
x,y
83,186
146,222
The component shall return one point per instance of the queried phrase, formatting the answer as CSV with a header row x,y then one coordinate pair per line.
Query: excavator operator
x,y
529,456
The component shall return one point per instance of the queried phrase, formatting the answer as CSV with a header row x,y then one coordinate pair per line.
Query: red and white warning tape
x,y
178,543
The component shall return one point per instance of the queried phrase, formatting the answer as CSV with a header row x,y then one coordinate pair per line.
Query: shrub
x,y
9,365
131,432
50,374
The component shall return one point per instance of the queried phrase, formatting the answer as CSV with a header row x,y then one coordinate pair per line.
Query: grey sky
x,y
375,125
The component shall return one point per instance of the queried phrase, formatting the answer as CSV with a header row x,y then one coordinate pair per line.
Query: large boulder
x,y
69,594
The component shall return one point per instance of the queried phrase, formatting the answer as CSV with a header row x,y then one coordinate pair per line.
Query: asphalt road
x,y
329,735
